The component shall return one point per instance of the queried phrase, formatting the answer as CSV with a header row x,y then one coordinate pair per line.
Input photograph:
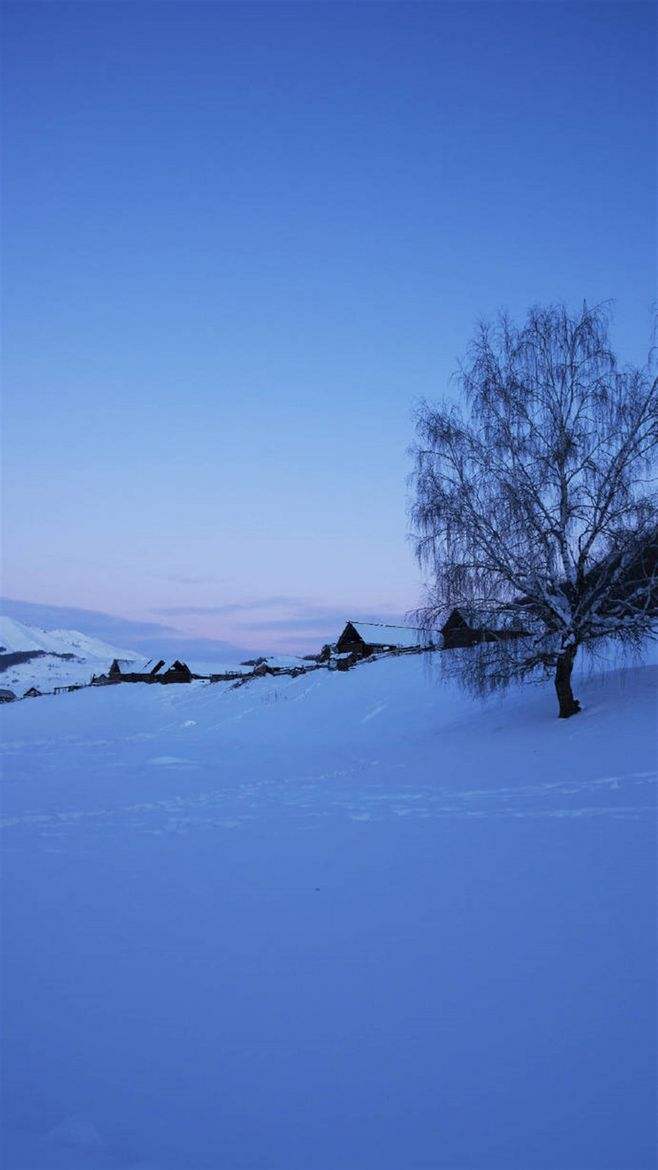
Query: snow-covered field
x,y
348,921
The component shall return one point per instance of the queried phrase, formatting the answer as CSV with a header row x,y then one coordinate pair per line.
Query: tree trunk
x,y
568,704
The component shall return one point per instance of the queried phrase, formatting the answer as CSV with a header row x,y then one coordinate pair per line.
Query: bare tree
x,y
535,504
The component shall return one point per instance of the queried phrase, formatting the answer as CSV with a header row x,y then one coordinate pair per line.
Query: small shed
x,y
6,696
364,638
32,693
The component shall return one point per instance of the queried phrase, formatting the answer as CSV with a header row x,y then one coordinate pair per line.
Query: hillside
x,y
32,657
347,921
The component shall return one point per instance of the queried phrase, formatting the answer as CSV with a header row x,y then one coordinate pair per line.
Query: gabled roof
x,y
476,619
458,618
378,634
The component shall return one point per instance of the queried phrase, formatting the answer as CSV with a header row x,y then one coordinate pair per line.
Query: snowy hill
x,y
30,656
347,921
16,636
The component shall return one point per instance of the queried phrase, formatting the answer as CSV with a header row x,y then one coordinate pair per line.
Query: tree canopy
x,y
535,501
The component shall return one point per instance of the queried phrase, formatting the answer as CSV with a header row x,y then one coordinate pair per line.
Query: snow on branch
x,y
536,500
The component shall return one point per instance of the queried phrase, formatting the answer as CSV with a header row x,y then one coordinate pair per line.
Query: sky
x,y
242,241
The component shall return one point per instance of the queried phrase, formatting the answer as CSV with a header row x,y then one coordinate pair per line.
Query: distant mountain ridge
x,y
148,639
33,657
15,635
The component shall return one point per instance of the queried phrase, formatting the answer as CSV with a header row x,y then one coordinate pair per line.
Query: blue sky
x,y
242,239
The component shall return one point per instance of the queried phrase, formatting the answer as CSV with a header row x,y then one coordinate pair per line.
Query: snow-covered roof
x,y
378,634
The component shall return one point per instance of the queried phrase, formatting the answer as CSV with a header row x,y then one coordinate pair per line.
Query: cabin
x,y
116,675
147,676
7,696
178,672
636,586
461,630
32,693
364,638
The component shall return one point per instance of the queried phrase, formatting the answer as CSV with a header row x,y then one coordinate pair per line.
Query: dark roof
x,y
464,617
459,618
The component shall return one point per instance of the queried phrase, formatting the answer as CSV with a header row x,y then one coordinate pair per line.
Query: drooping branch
x,y
537,498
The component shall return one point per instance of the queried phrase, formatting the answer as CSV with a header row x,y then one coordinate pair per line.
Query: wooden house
x,y
178,672
148,676
459,630
636,586
462,629
365,638
32,693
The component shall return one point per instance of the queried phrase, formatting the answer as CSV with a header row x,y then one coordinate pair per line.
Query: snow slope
x,y
16,636
348,921
91,655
